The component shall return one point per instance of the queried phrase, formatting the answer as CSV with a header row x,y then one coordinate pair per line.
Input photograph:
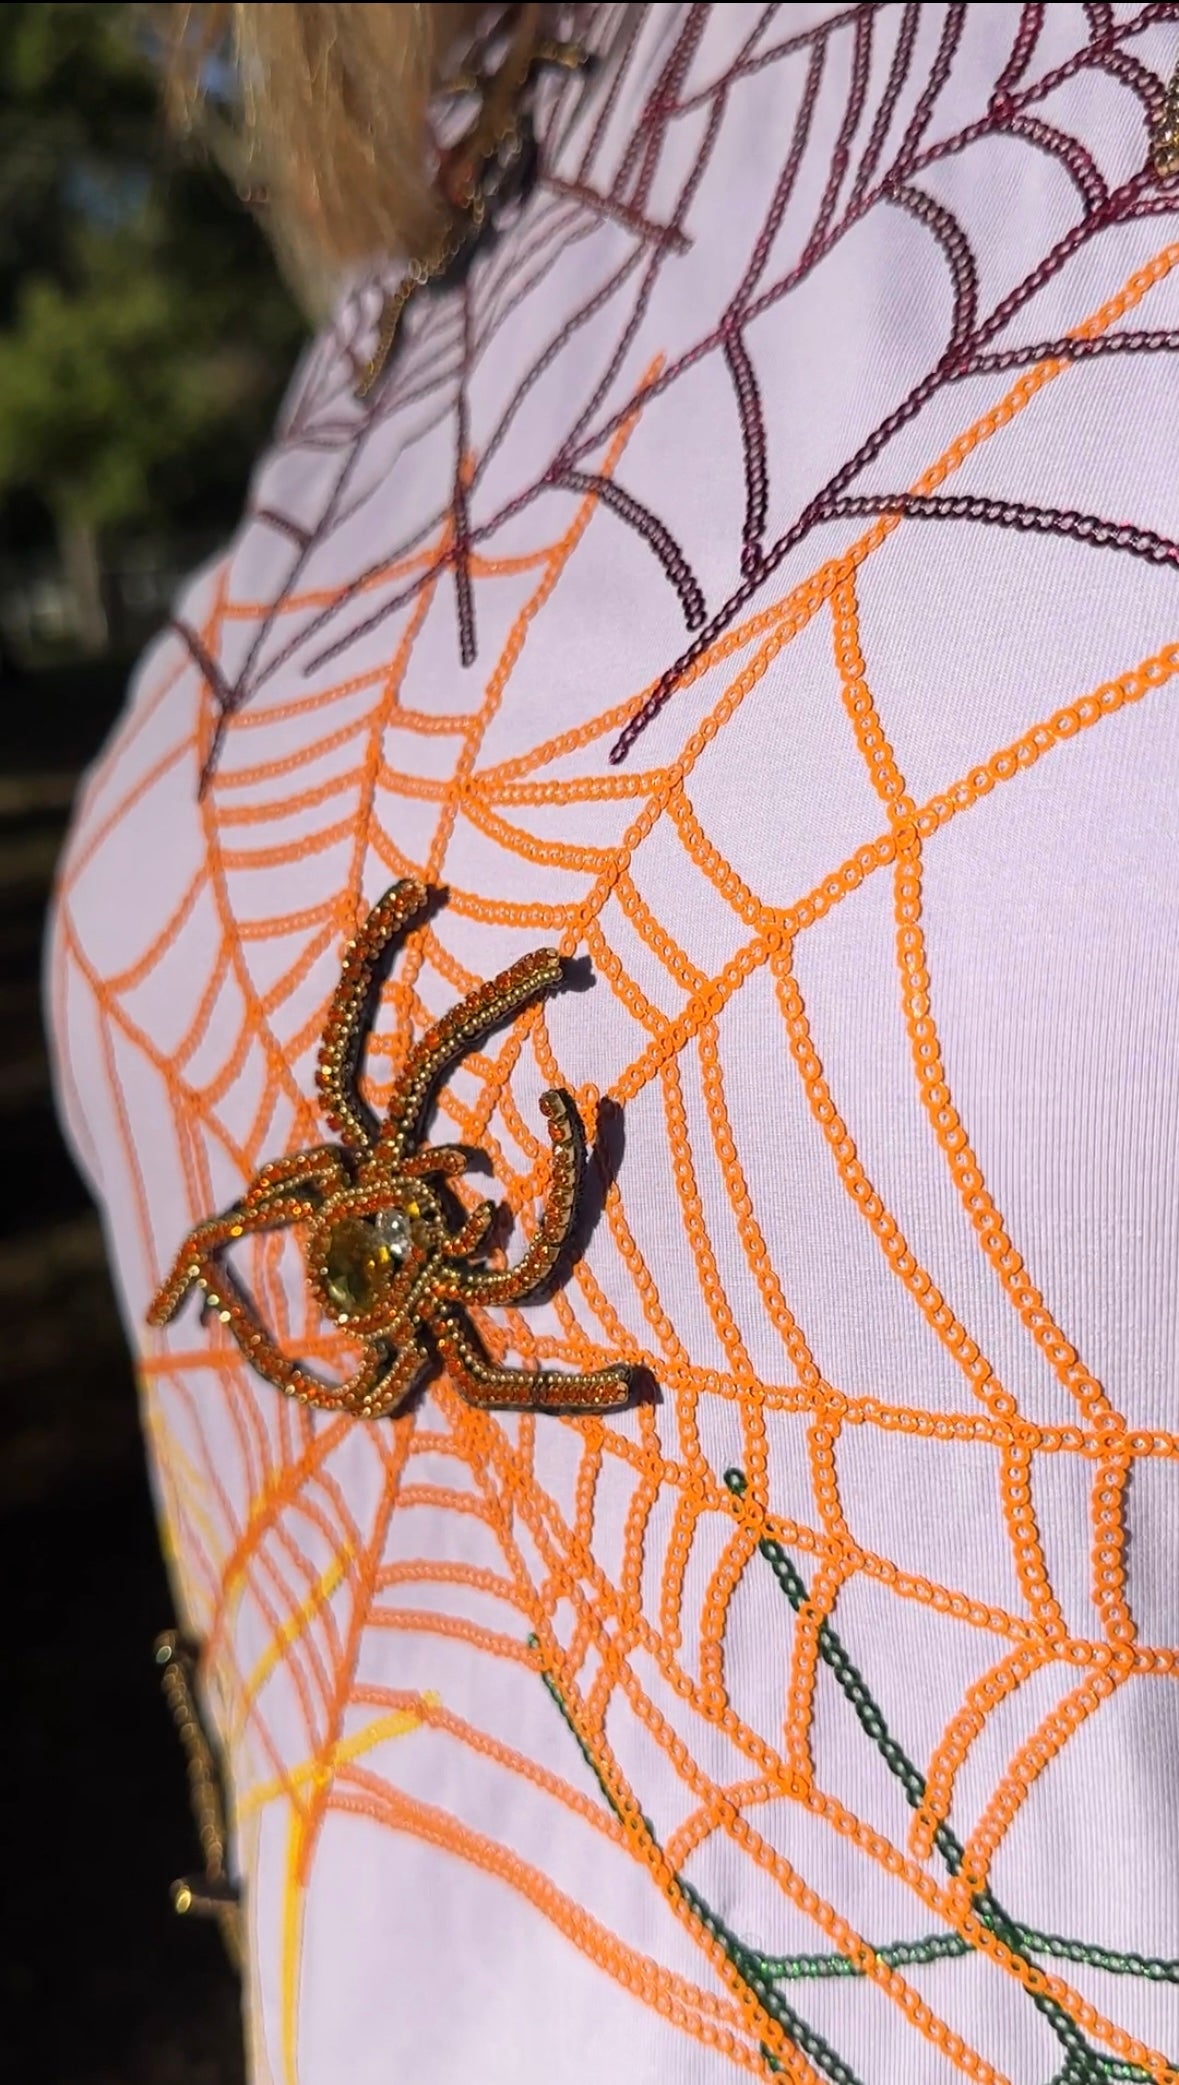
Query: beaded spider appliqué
x,y
383,1259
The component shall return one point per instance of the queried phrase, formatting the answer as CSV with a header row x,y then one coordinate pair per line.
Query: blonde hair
x,y
329,128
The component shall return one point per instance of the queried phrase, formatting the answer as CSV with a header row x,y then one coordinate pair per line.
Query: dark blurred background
x,y
145,338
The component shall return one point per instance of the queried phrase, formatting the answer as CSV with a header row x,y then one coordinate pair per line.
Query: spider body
x,y
384,1260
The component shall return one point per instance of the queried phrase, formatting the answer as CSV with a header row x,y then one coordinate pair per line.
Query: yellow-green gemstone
x,y
360,1259
357,1265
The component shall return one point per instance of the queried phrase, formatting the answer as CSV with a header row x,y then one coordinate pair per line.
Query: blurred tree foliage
x,y
145,335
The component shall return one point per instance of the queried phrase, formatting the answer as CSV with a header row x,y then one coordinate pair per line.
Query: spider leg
x,y
448,1159
372,1389
484,1008
322,1167
472,1232
335,1073
393,1385
492,1388
195,1261
507,1284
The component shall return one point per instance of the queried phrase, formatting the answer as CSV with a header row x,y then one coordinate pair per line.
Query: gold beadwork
x,y
477,170
211,1895
1164,143
383,1258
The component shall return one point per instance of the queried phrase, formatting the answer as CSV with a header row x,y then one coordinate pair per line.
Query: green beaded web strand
x,y
745,1960
1083,2064
761,1973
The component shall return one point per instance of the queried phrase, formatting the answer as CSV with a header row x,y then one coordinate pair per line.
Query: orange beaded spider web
x,y
619,1653
819,1647
381,1256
